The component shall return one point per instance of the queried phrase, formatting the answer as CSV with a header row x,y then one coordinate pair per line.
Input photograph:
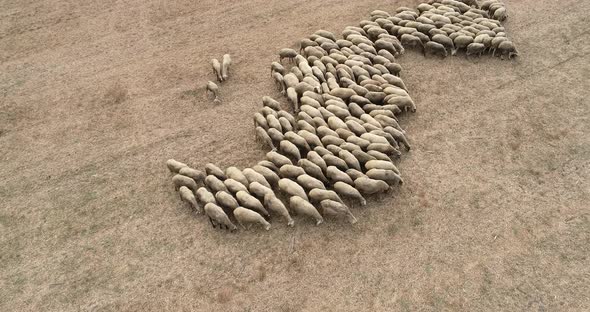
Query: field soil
x,y
96,95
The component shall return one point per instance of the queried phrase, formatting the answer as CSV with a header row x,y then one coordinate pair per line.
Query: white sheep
x,y
218,217
225,64
248,217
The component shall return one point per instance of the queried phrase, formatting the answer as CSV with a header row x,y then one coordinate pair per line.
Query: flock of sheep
x,y
336,143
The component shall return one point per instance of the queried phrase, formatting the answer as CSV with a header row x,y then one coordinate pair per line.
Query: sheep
x,y
461,41
388,176
304,207
500,14
287,53
217,69
269,175
435,48
331,207
347,190
275,135
336,175
259,189
269,165
279,81
293,98
475,49
289,149
380,155
355,174
218,217
350,160
298,140
315,158
254,176
211,169
260,120
278,159
204,196
332,139
226,200
335,161
214,89
370,186
496,43
383,148
234,186
247,216
381,164
312,169
186,195
292,188
507,48
398,136
215,184
181,180
225,63
276,205
262,136
409,40
251,202
174,166
310,182
194,174
278,68
291,171
273,122
310,138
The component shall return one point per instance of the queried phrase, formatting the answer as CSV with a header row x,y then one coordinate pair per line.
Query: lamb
x,y
247,216
204,196
234,186
385,175
254,176
194,174
292,188
370,186
186,195
287,53
211,169
218,217
236,174
251,202
174,166
225,63
214,89
226,200
330,207
304,207
347,190
181,180
435,48
215,184
217,69
276,205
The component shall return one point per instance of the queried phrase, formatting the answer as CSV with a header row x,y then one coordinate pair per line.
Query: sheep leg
x,y
212,224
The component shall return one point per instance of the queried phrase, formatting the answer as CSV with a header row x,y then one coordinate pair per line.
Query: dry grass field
x,y
494,214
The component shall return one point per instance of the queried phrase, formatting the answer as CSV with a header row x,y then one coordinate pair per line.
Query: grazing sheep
x,y
218,217
194,174
292,188
204,196
398,136
347,190
271,176
309,182
381,164
234,186
226,200
262,136
276,206
174,166
287,53
317,195
181,180
259,189
215,184
434,48
236,174
289,149
260,120
355,174
461,41
251,202
217,69
254,176
211,169
331,207
349,158
214,89
186,195
312,169
291,171
388,176
335,161
507,48
279,81
278,159
370,186
225,63
302,206
336,175
278,68
310,138
247,216
408,40
475,49
268,164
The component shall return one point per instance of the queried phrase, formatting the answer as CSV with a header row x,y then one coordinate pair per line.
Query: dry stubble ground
x,y
95,95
